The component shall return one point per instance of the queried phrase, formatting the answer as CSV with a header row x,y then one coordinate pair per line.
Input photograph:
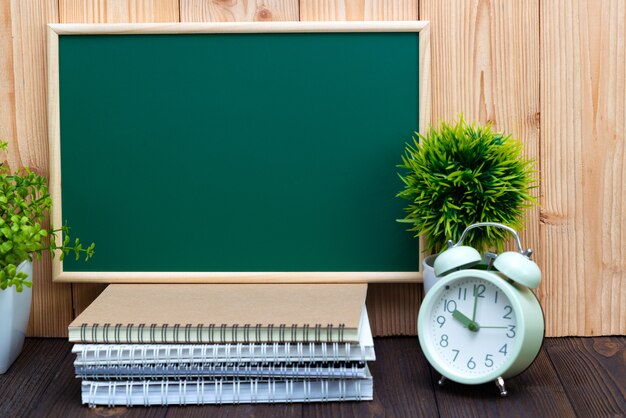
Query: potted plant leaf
x,y
460,174
24,205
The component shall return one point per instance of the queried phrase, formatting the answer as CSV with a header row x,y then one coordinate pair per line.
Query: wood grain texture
x,y
359,10
108,11
238,10
31,374
8,130
400,373
392,308
29,63
537,392
485,65
571,377
284,410
593,372
583,223
118,11
52,303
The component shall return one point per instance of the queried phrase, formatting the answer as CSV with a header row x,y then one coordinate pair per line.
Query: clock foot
x,y
441,381
501,388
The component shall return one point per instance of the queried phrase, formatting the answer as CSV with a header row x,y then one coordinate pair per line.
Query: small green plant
x,y
461,174
24,204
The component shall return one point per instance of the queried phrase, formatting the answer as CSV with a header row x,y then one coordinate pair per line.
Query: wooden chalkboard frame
x,y
54,30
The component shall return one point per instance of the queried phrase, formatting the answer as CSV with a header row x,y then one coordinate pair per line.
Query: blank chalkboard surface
x,y
216,153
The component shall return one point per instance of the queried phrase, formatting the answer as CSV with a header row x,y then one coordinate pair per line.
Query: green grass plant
x,y
460,174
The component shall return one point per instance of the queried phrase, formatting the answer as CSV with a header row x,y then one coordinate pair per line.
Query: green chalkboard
x,y
237,152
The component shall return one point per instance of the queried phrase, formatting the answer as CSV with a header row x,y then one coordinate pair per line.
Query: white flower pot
x,y
14,314
428,272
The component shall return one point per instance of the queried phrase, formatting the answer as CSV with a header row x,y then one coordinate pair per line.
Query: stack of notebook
x,y
140,344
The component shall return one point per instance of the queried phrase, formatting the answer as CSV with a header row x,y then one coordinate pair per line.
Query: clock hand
x,y
482,326
468,323
461,318
475,303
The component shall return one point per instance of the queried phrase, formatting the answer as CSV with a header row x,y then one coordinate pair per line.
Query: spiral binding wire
x,y
195,371
200,333
183,392
134,354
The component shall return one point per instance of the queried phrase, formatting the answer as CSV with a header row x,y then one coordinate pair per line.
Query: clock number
x,y
441,320
464,292
503,350
471,364
511,332
508,314
488,360
456,355
496,301
449,305
479,290
444,340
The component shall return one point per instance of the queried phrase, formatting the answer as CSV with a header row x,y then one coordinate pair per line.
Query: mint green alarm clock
x,y
478,325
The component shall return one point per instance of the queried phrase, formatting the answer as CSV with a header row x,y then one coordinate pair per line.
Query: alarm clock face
x,y
469,329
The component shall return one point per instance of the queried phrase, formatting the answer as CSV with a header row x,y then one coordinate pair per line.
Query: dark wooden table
x,y
582,377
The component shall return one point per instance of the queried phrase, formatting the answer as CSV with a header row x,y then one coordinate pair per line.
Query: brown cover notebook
x,y
222,313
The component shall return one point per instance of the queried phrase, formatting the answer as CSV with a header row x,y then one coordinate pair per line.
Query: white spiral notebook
x,y
218,391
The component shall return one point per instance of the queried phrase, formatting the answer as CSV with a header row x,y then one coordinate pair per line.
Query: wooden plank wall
x,y
583,154
550,73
